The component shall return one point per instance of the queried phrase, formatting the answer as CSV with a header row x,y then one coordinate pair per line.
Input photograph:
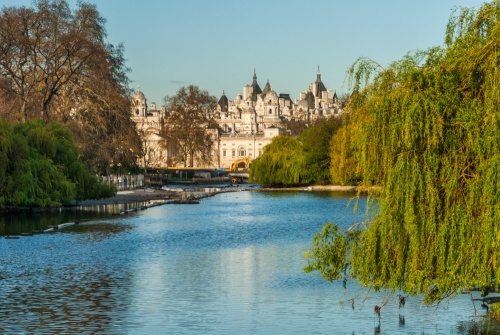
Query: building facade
x,y
245,125
149,122
250,121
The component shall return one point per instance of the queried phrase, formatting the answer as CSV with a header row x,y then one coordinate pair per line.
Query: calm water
x,y
230,265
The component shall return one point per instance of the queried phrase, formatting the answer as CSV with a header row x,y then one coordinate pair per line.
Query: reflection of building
x,y
249,122
246,124
148,124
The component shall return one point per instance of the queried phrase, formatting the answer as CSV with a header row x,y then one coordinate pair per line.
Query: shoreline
x,y
158,195
145,195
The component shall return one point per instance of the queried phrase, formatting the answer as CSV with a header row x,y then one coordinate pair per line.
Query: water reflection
x,y
29,221
230,265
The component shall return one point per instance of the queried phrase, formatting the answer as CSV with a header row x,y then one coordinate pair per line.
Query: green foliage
x,y
80,81
281,163
430,137
315,146
43,168
294,161
329,255
344,162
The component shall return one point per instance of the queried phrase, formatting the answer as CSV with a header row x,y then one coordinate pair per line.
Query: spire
x,y
266,89
223,102
320,87
256,87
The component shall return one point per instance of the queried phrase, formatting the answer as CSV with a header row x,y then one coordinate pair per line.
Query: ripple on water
x,y
230,265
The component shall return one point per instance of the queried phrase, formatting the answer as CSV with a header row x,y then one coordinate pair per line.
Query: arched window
x,y
270,111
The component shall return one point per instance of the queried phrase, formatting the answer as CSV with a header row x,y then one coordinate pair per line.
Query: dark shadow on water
x,y
29,221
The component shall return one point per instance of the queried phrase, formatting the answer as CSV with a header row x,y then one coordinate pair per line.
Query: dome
x,y
303,103
272,94
139,95
223,102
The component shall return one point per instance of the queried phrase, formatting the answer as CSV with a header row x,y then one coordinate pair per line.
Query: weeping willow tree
x,y
281,163
40,167
430,137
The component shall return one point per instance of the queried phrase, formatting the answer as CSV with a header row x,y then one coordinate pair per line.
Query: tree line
x,y
64,102
426,130
39,166
298,160
56,65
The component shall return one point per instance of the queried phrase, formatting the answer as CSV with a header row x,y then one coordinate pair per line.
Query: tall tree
x,y
40,166
189,126
315,145
55,65
281,163
45,48
431,140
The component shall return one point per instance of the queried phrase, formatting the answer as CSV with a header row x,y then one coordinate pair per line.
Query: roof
x,y
310,99
256,88
266,89
139,95
320,87
223,102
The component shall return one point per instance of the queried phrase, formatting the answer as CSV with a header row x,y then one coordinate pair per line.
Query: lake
x,y
232,264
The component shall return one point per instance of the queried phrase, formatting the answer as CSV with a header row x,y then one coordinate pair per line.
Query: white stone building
x,y
148,123
246,124
249,122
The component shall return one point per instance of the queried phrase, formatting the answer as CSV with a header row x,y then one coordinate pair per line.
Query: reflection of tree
x,y
188,126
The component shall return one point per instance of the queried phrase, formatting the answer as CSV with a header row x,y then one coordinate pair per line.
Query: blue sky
x,y
217,44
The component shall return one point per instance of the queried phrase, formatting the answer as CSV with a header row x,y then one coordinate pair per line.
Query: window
x,y
234,153
270,111
242,152
223,153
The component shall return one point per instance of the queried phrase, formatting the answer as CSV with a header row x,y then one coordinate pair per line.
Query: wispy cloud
x,y
177,82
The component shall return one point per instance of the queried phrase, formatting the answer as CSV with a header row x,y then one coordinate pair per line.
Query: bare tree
x,y
189,126
44,49
55,65
152,154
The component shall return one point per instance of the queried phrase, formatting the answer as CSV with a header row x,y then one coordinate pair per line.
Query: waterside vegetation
x,y
427,130
301,160
63,91
40,167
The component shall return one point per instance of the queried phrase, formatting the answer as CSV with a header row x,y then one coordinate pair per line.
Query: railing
x,y
124,182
